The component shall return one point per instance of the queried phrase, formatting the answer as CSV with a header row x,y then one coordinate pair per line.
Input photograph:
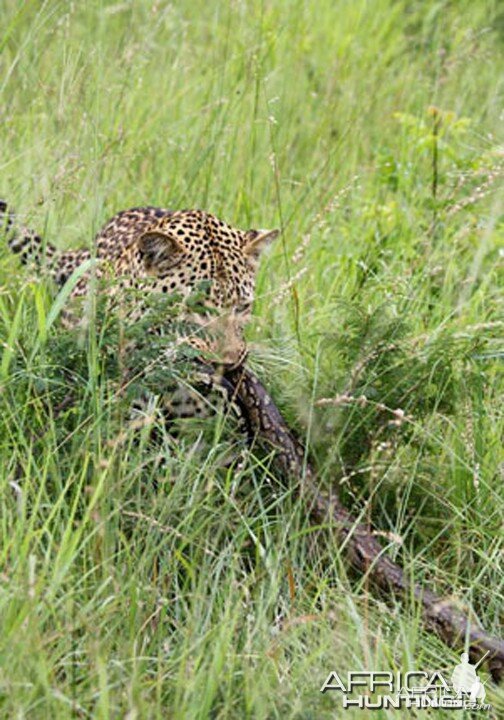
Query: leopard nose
x,y
236,357
228,343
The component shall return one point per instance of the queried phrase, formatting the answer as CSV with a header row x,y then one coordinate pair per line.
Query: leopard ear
x,y
257,240
160,251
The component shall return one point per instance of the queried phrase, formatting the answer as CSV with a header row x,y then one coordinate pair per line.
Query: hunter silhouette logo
x,y
414,689
465,680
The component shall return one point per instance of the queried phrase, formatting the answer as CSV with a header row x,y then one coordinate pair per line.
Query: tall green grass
x,y
182,579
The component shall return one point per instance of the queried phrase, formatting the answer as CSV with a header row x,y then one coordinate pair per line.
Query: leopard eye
x,y
243,307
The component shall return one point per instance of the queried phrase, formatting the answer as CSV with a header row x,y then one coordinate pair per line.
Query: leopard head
x,y
191,249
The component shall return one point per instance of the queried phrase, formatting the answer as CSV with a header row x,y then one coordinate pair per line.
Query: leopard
x,y
155,251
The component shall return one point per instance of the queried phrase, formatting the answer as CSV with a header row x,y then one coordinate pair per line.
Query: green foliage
x,y
148,574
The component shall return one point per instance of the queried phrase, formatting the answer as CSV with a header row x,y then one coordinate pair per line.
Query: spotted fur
x,y
156,250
